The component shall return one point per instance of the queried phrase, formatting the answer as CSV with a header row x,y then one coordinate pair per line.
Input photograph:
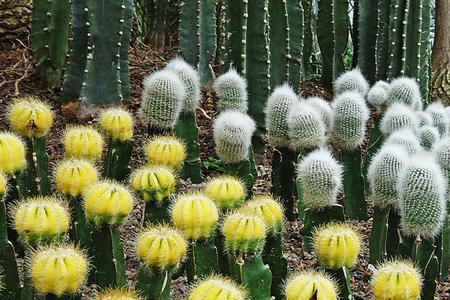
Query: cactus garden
x,y
221,149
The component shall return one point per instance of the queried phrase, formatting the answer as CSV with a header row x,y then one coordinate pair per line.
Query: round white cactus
x,y
378,93
231,89
323,107
439,117
441,151
351,81
424,118
306,128
397,117
405,90
405,138
429,135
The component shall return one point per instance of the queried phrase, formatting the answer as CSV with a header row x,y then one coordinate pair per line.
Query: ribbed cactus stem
x,y
202,259
367,39
296,28
396,37
278,42
207,39
237,13
382,40
443,250
117,160
154,284
343,278
80,231
187,129
39,182
341,34
273,255
283,179
187,31
354,199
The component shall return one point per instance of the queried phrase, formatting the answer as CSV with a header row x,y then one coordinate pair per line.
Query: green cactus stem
x,y
125,39
425,52
18,190
154,284
296,42
283,179
325,31
39,182
155,212
375,141
397,14
367,39
207,39
54,297
117,160
221,252
378,235
278,42
27,292
187,31
159,30
382,40
80,232
393,234
222,39
341,26
443,250
342,276
307,35
237,13
245,171
273,255
354,201
202,259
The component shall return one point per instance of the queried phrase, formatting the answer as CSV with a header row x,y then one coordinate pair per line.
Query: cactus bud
x,y
306,128
195,215
107,203
337,245
30,117
83,142
378,94
191,81
162,99
352,81
268,209
160,247
309,285
73,176
429,135
323,107
278,106
118,294
348,126
225,191
405,90
396,280
231,89
232,135
154,183
424,118
12,153
422,191
59,270
407,139
244,232
398,116
3,185
321,178
217,288
439,117
117,124
165,150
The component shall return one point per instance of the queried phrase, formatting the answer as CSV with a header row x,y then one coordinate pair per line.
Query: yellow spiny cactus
x,y
73,176
244,232
12,153
225,191
337,245
107,203
161,247
3,185
83,142
30,117
154,183
58,270
217,288
310,285
118,294
396,280
195,215
268,209
117,124
166,150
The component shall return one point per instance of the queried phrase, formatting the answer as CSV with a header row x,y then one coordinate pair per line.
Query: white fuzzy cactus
x,y
429,135
439,117
422,193
232,135
306,128
407,91
348,126
231,88
321,178
441,151
351,81
279,105
397,117
162,99
405,138
424,118
323,107
378,93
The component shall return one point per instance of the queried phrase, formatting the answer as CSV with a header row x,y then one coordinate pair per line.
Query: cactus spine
x,y
187,32
278,42
207,40
296,28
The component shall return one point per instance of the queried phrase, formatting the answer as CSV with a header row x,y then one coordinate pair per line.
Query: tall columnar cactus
x,y
83,142
207,40
323,107
165,150
278,42
341,27
405,90
397,117
320,286
236,33
429,135
188,31
50,38
396,38
350,114
219,287
439,117
382,41
296,29
325,37
231,88
407,139
367,38
351,81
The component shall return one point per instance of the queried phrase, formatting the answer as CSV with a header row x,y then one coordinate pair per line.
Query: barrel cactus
x,y
378,94
244,232
439,117
73,176
407,91
83,142
165,150
352,80
12,153
429,135
405,138
398,116
226,191
30,117
323,107
311,285
117,124
219,286
118,294
231,88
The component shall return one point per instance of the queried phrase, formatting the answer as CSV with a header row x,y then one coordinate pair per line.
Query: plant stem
x,y
378,235
273,255
202,259
154,284
117,160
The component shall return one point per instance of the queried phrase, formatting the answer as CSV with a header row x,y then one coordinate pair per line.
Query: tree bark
x,y
440,60
14,18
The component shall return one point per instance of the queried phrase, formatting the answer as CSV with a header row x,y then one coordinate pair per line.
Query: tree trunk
x,y
440,78
14,18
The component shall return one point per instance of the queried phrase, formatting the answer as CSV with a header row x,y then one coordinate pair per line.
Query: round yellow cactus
x,y
217,288
117,124
225,191
107,203
244,232
58,270
118,294
83,142
30,117
161,247
337,245
396,280
195,215
40,220
73,176
154,183
166,150
12,153
3,185
310,285
267,209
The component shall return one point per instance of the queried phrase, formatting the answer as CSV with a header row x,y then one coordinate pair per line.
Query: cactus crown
x,y
321,178
3,185
226,191
160,247
107,203
429,135
30,117
12,153
422,191
378,94
268,209
232,135
406,139
231,89
83,142
337,245
352,80
398,116
217,287
439,117
191,81
278,106
72,176
59,270
162,99
117,124
118,294
424,118
350,114
308,285
323,107
441,151
154,183
405,90
383,173
306,128
166,150
396,280
195,215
